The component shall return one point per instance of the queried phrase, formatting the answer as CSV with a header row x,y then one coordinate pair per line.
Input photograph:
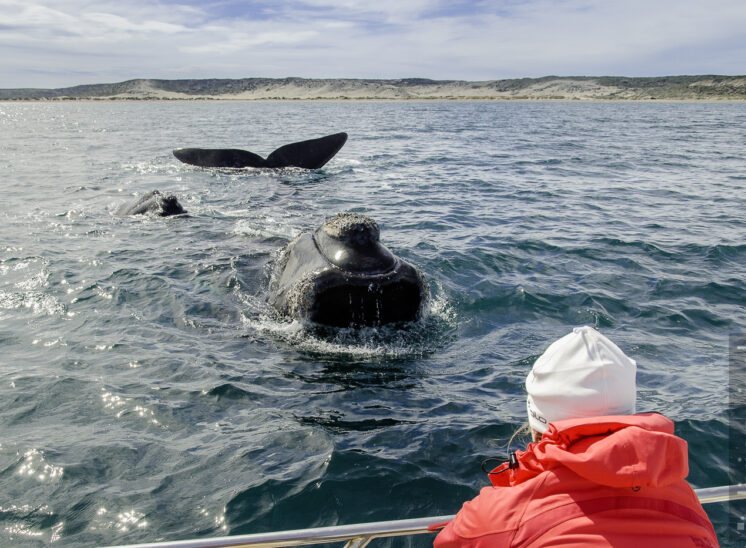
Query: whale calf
x,y
311,154
153,202
341,275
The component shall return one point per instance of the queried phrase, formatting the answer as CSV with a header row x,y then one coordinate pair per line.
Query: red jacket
x,y
605,481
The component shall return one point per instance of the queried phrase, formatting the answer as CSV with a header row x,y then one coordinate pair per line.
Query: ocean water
x,y
147,391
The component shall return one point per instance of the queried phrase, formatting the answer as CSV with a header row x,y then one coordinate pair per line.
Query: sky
x,y
60,43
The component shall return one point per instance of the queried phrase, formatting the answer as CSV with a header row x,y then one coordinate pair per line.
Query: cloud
x,y
109,22
53,43
235,42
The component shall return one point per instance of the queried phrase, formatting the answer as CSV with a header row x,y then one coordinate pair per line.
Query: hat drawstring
x,y
512,464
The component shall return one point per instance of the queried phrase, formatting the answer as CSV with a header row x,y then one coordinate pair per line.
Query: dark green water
x,y
148,393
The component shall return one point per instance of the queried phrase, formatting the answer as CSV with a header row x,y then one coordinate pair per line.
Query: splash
x,y
263,228
368,344
38,303
26,280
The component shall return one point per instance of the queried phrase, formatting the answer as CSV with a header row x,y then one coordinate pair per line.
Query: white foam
x,y
39,303
364,343
265,228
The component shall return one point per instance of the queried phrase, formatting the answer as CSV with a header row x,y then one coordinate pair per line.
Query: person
x,y
597,474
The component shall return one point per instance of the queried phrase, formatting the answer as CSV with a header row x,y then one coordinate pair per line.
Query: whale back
x,y
153,202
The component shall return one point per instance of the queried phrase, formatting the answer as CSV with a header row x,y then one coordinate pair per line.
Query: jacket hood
x,y
615,451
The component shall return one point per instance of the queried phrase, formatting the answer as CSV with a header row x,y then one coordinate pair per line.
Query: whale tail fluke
x,y
311,154
219,157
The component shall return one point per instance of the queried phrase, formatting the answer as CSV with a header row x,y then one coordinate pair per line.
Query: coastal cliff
x,y
604,88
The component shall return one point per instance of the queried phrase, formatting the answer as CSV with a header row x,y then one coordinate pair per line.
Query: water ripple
x,y
158,396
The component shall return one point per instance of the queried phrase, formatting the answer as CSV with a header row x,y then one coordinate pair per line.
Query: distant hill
x,y
607,88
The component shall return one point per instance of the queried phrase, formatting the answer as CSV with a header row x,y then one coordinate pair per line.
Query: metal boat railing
x,y
361,534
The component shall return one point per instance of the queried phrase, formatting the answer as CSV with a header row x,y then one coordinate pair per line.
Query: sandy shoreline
x,y
363,100
704,88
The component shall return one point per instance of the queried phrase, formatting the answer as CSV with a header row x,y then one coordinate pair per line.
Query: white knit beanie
x,y
583,374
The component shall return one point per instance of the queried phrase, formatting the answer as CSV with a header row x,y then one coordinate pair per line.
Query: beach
x,y
691,88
